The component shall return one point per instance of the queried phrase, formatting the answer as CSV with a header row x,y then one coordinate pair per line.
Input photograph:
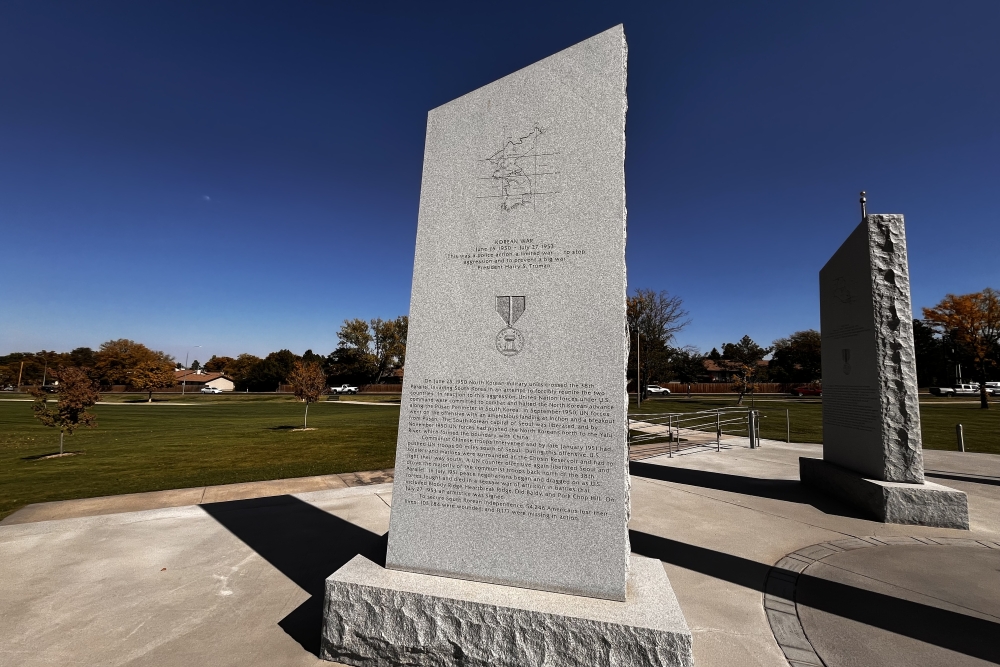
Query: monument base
x,y
375,616
926,504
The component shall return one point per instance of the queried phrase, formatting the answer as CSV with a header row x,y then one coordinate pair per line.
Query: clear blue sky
x,y
245,175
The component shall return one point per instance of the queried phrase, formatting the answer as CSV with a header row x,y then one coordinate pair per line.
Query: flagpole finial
x,y
864,200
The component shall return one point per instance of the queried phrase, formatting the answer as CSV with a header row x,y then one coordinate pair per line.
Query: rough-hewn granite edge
x,y
628,338
926,504
368,622
782,580
893,326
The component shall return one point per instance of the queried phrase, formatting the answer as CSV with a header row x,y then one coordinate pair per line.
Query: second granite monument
x,y
508,540
872,453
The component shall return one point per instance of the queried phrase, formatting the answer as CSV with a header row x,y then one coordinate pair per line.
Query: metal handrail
x,y
720,420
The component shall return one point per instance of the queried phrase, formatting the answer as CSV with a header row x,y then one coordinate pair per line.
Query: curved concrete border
x,y
779,589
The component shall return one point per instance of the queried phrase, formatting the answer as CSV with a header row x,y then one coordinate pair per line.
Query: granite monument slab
x,y
872,451
508,540
511,460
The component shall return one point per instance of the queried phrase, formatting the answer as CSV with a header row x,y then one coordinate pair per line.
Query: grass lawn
x,y
938,417
368,398
198,440
805,413
191,441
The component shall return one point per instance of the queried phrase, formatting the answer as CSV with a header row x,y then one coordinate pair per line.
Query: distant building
x,y
195,380
721,371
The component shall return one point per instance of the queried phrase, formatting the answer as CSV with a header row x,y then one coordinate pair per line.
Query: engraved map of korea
x,y
521,171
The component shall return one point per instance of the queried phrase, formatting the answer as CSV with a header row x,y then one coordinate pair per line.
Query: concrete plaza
x,y
766,571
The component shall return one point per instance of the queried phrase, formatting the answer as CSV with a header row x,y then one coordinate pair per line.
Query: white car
x,y
344,389
211,390
957,390
656,389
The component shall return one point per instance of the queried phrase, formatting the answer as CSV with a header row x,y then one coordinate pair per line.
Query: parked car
x,y
211,390
344,389
9,387
957,390
656,389
993,388
808,390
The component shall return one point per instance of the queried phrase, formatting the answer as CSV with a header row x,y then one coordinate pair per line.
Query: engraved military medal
x,y
510,341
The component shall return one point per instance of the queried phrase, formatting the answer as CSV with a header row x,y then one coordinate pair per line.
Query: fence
x,y
380,389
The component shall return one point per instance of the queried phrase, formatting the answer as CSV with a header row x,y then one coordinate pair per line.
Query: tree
x,y
932,355
219,365
8,376
311,357
389,343
239,369
47,359
402,331
114,359
743,358
77,392
124,361
348,365
195,365
151,374
309,383
13,368
972,321
354,333
653,319
82,357
368,351
687,365
797,358
269,373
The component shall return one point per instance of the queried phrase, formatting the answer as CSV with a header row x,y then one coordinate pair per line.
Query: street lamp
x,y
184,380
638,371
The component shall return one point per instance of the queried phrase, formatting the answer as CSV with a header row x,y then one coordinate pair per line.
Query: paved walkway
x,y
751,554
137,502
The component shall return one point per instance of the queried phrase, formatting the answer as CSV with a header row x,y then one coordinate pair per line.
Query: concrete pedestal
x,y
926,504
375,616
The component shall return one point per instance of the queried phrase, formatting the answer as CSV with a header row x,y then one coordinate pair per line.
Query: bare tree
x,y
656,316
77,392
653,319
309,383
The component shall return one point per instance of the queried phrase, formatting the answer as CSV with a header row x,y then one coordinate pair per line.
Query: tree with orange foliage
x,y
127,362
972,321
77,392
309,384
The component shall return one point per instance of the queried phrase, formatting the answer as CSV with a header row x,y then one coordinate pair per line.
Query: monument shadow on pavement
x,y
508,540
872,451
